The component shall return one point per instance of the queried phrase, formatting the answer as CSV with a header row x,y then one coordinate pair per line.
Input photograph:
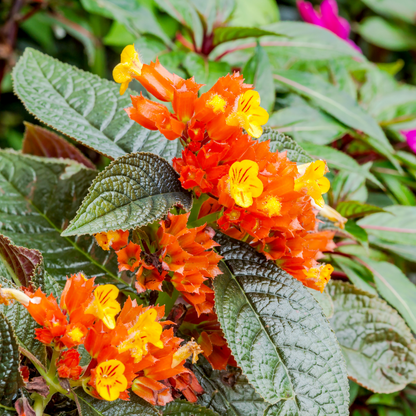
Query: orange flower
x,y
154,392
129,257
114,239
317,277
184,97
74,335
68,365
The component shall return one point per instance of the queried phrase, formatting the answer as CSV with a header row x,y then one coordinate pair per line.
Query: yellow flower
x,y
7,296
244,182
320,275
110,379
217,104
105,306
271,206
129,67
145,330
332,215
190,348
249,115
312,178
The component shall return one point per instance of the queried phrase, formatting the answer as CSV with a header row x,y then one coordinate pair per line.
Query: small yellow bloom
x,y
332,215
110,379
244,182
190,348
129,67
320,275
145,330
217,103
271,206
249,115
105,306
312,178
7,296
76,335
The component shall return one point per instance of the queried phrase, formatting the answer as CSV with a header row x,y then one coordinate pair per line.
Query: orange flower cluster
x,y
128,346
260,196
178,254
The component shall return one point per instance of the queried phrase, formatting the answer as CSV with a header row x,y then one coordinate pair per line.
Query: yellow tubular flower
x,y
145,330
190,348
129,67
110,379
7,296
249,115
332,215
320,275
105,306
313,180
244,182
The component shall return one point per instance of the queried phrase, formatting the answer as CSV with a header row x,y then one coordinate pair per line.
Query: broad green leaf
x,y
278,334
398,225
118,35
39,196
38,141
378,346
386,34
407,252
281,143
355,209
350,186
185,408
19,264
82,106
258,72
94,407
357,232
396,288
337,103
248,13
23,325
403,9
50,285
324,300
133,191
397,188
307,124
10,377
226,34
339,160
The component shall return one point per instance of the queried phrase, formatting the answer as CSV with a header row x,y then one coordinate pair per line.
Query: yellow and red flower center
x,y
110,379
217,104
272,206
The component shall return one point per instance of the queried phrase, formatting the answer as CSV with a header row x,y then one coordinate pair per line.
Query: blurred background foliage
x,y
348,110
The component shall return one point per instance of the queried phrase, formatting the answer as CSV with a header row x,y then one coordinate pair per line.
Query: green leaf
x,y
133,191
38,141
226,34
19,264
386,34
337,103
258,72
23,325
184,408
355,209
397,225
357,232
10,377
307,124
407,252
403,9
82,106
255,14
278,334
94,407
324,300
378,346
281,143
38,198
396,288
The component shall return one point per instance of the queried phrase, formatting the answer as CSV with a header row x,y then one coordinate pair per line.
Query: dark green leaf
x,y
10,378
324,300
225,34
133,191
39,197
82,106
184,408
357,232
281,143
94,407
355,209
396,288
378,346
258,72
278,334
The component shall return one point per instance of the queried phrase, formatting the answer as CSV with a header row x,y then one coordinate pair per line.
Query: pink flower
x,y
327,18
411,138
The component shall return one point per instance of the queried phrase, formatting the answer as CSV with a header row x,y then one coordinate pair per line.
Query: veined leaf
x,y
324,300
85,107
95,407
281,143
132,191
10,377
398,225
226,34
405,251
378,346
185,408
278,334
355,209
38,198
42,142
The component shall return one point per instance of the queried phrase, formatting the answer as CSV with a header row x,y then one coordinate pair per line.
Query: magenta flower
x,y
411,138
327,18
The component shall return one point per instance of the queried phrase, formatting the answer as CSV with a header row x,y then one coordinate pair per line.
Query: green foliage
x,y
135,190
355,209
273,325
184,408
